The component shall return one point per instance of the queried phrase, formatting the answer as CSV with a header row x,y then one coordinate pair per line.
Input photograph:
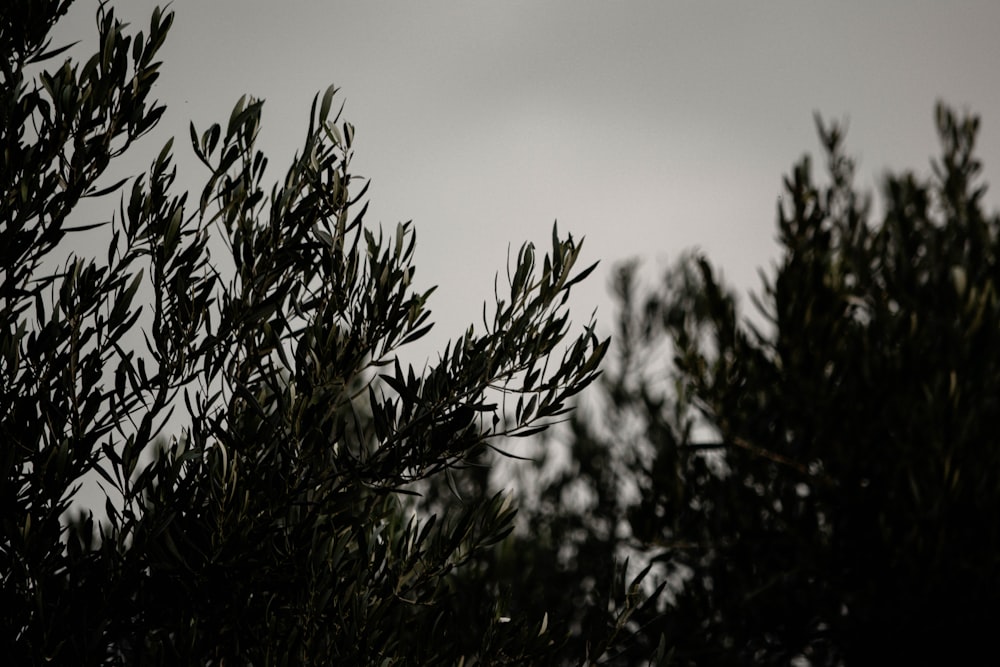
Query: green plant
x,y
276,527
818,482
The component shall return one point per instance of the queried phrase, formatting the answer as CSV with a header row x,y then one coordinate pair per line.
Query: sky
x,y
647,128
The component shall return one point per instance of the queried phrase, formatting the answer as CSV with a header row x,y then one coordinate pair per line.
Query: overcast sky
x,y
647,127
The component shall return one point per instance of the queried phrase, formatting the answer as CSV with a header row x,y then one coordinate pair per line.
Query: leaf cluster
x,y
815,481
278,525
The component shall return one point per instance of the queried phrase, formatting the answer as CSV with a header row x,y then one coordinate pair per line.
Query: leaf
x,y
86,228
324,109
46,55
236,117
196,146
124,302
172,234
418,334
580,276
100,193
399,386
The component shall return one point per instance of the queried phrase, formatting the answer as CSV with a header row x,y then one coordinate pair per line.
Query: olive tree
x,y
816,483
277,525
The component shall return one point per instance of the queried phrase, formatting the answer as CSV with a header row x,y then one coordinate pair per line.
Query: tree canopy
x,y
278,526
815,482
809,483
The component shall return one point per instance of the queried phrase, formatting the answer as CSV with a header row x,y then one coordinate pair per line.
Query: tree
x,y
818,482
278,526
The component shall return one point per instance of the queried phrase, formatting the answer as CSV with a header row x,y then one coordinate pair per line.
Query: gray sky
x,y
647,127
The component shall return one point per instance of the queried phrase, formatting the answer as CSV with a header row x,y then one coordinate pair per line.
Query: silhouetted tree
x,y
277,526
818,482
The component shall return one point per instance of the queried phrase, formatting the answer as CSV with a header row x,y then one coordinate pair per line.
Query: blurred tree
x,y
279,526
816,485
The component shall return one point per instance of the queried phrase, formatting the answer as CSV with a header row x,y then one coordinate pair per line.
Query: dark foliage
x,y
277,527
818,482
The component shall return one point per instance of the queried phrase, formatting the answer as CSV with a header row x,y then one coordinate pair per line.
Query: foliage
x,y
278,527
840,507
